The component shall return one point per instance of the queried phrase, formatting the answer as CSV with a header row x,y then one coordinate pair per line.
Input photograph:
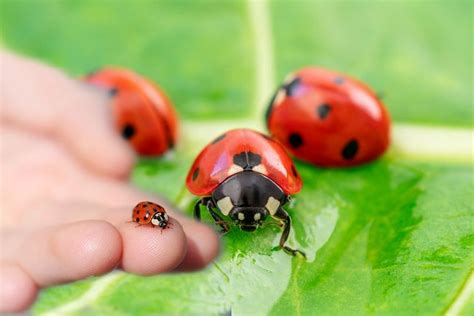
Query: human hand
x,y
65,202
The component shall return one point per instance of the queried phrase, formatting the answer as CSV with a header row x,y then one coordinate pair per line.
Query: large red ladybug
x,y
143,113
328,119
247,176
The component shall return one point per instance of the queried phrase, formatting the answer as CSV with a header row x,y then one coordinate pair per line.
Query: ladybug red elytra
x,y
329,119
150,213
247,176
143,113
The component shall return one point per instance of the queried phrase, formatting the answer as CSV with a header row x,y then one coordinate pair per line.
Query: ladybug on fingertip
x,y
143,113
245,176
149,213
329,119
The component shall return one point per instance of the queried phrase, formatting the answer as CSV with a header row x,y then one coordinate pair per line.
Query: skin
x,y
61,162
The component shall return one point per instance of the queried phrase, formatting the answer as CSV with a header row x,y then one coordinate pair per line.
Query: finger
x,y
17,290
150,250
202,242
113,201
66,252
41,98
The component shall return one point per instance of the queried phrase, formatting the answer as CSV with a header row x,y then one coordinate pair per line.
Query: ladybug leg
x,y
217,218
197,210
197,207
283,216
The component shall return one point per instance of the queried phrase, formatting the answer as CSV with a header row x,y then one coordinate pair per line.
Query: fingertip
x,y
150,250
17,289
203,247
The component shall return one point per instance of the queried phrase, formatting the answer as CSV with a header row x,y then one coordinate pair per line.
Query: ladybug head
x,y
248,198
160,219
248,218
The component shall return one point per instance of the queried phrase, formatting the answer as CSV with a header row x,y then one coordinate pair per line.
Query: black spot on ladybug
x,y
155,210
293,169
218,139
138,211
247,160
350,149
295,140
339,80
137,219
292,86
323,111
195,174
128,131
113,92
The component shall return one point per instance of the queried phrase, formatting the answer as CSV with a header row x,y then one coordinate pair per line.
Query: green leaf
x,y
404,242
392,237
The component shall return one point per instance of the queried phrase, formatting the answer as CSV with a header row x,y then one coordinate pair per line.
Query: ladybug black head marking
x,y
247,160
160,219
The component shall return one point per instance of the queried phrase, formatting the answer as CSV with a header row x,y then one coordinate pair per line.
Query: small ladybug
x,y
150,213
143,113
247,176
329,119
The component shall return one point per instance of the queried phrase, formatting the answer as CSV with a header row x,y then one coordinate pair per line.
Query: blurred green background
x,y
393,237
417,53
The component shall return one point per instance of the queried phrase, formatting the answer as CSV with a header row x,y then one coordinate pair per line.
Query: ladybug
x,y
328,119
150,213
143,113
245,176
